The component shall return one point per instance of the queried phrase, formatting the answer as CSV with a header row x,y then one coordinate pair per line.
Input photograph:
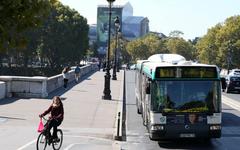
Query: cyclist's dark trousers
x,y
53,124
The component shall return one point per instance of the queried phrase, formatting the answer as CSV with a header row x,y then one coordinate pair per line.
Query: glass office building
x,y
132,27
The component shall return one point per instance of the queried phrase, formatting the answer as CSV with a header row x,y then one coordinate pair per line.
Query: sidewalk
x,y
89,121
87,114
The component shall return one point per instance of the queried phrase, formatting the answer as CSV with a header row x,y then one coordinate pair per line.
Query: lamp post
x,y
117,27
119,49
120,55
107,91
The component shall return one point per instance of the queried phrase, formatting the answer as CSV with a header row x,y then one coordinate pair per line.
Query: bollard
x,y
118,125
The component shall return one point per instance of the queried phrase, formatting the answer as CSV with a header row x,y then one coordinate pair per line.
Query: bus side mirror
x,y
148,89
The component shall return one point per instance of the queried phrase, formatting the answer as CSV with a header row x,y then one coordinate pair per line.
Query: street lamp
x,y
107,91
119,58
117,27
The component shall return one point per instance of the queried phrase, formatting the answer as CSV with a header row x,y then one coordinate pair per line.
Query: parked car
x,y
232,82
234,72
133,67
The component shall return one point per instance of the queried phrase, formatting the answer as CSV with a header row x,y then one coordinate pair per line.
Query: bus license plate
x,y
187,135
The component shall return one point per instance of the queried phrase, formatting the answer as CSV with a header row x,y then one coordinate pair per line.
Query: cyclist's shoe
x,y
50,140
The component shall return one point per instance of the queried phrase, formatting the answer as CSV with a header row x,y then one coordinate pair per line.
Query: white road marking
x,y
79,136
26,145
69,146
89,137
230,102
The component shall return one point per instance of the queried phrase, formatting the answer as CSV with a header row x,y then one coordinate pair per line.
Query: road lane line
x,y
70,146
230,102
26,145
89,137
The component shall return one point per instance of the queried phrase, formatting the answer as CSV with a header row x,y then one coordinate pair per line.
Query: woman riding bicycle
x,y
56,116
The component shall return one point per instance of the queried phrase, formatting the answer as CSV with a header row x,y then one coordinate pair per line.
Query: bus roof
x,y
150,65
149,68
169,58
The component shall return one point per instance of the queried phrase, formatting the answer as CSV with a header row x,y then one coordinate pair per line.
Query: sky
x,y
192,17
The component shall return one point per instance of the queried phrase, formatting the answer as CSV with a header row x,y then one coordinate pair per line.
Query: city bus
x,y
178,98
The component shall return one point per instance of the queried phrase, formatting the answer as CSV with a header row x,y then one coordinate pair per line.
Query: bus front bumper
x,y
176,132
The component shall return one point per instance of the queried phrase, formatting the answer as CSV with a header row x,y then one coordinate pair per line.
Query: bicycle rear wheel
x,y
41,142
57,144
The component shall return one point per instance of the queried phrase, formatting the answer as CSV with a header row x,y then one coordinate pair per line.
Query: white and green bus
x,y
178,98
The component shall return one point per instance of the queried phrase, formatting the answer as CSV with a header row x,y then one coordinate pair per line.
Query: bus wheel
x,y
144,119
138,109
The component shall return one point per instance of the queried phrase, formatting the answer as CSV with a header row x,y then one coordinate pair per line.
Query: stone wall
x,y
2,89
56,82
38,87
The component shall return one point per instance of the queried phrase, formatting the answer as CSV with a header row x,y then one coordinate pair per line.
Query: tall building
x,y
132,27
103,24
92,34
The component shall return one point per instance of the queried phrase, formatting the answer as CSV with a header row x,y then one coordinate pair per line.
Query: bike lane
x,y
89,121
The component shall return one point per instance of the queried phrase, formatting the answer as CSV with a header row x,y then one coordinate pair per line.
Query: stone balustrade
x,y
2,89
37,87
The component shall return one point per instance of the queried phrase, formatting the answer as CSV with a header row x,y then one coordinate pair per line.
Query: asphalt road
x,y
137,136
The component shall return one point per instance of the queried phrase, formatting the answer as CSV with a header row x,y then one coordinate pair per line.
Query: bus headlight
x,y
215,127
157,127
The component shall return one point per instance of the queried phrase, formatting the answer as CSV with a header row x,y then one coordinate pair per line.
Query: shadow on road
x,y
6,101
193,144
13,118
230,120
60,91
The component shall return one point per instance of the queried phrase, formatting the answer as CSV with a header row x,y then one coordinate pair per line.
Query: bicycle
x,y
44,139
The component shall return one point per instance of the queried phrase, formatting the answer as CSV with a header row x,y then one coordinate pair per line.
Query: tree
x,y
220,45
146,46
17,16
207,47
175,34
180,46
227,40
64,36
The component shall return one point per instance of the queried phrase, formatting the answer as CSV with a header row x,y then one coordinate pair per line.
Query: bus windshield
x,y
185,96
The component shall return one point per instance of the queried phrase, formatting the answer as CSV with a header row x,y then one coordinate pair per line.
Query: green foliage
x,y
65,36
151,44
175,34
17,16
180,46
54,34
220,45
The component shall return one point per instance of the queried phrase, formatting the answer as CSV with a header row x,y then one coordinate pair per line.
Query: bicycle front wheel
x,y
41,142
58,143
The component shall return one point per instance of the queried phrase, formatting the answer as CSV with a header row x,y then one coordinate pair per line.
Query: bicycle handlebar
x,y
44,118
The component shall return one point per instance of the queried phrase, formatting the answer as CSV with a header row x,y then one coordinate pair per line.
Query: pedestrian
x,y
77,73
104,65
65,76
56,111
99,65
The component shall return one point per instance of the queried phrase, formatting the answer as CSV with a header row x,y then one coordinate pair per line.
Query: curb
x,y
118,127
